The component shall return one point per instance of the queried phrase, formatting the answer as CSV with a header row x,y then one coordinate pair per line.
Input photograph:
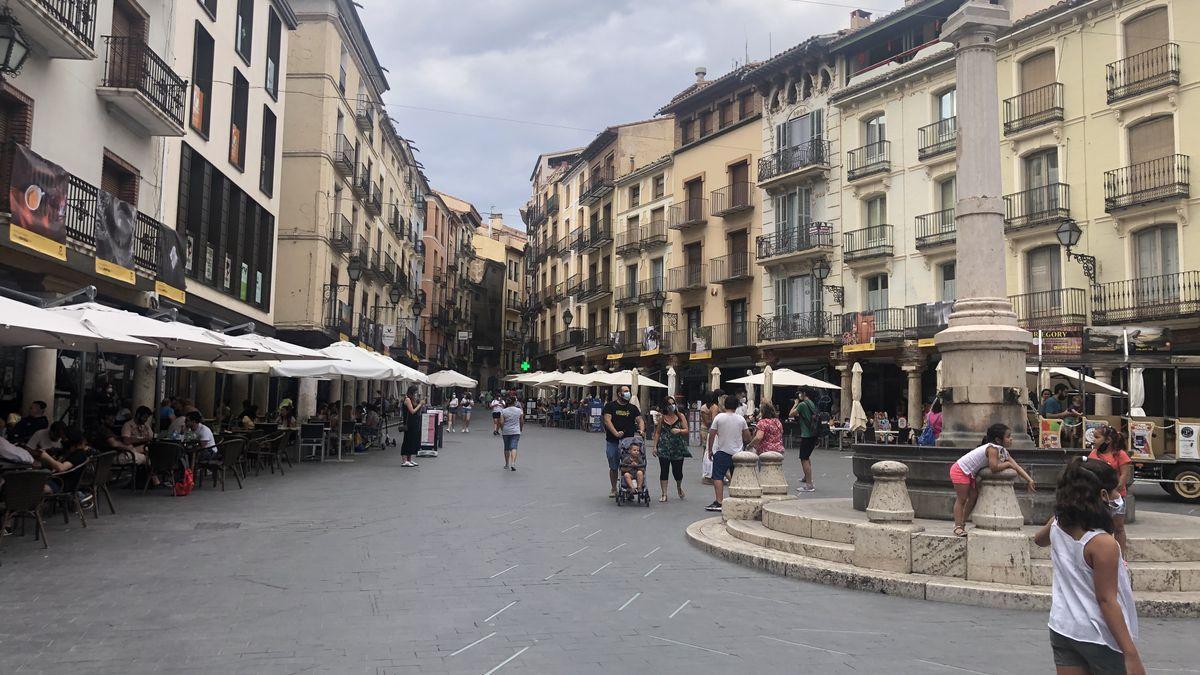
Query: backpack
x,y
183,486
926,437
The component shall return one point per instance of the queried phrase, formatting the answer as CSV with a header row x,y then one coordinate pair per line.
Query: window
x,y
1043,271
202,70
237,120
244,28
947,193
210,6
119,178
635,195
660,186
1147,31
343,61
745,106
875,129
946,274
946,105
725,114
266,176
796,295
274,42
1156,251
705,123
685,132
1041,169
877,292
799,131
1037,71
876,211
1150,140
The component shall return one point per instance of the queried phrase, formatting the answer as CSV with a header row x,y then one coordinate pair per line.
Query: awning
x,y
29,326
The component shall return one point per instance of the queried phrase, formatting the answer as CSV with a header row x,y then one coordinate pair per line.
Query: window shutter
x,y
1151,140
1037,71
1146,32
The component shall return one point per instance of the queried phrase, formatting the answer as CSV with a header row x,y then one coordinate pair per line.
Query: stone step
x,y
1144,576
756,533
713,535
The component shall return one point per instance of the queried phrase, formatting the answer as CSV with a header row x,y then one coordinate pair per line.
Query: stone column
x,y
1104,402
40,373
997,549
144,371
913,366
846,402
239,390
983,348
206,393
771,479
885,543
260,392
306,398
744,501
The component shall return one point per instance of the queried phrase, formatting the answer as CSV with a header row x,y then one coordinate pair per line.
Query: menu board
x,y
1050,433
1141,439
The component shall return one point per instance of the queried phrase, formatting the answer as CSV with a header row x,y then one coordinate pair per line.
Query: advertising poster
x,y
1061,342
115,237
616,340
37,199
1113,339
1050,434
170,282
1091,428
1141,439
1186,435
858,328
700,338
595,421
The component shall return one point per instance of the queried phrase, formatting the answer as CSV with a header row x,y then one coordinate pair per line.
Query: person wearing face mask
x,y
622,419
413,409
671,446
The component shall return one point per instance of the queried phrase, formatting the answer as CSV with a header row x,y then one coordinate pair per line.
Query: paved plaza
x,y
460,567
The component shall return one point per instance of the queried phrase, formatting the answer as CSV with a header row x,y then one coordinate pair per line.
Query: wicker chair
x,y
97,481
229,456
162,459
24,496
68,497
270,452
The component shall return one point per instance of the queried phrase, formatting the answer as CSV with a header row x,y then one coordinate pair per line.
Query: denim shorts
x,y
510,441
722,463
613,450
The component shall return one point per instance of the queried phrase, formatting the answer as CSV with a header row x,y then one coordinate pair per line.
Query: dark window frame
x,y
274,56
239,114
266,167
244,18
202,72
210,8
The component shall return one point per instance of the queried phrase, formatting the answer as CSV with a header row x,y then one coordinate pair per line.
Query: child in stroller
x,y
632,488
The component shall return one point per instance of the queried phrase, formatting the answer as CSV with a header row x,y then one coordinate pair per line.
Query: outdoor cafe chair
x,y
312,436
162,459
68,497
97,481
229,457
24,496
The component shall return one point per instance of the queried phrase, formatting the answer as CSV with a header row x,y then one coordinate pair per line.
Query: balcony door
x,y
875,131
656,275
631,273
799,131
692,256
1156,265
694,194
737,323
126,57
1041,173
1146,32
876,234
1037,71
947,105
877,292
1149,143
739,184
947,273
1043,281
796,299
739,254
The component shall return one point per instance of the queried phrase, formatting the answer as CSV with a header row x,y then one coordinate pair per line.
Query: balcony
x,y
389,270
374,202
654,233
341,233
541,348
872,325
567,338
598,234
869,160
1159,179
594,288
626,295
1147,299
799,326
937,138
564,246
511,335
1045,205
599,184
1050,309
552,205
557,291
141,85
361,251
867,243
629,242
361,185
576,238
936,229
364,115
732,199
794,242
687,278
343,156
338,316
61,29
597,337
396,221
731,268
688,213
549,247
732,335
652,292
374,268
927,319
1140,73
1033,108
534,216
795,163
573,283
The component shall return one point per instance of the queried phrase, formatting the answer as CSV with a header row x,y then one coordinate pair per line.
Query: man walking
x,y
805,414
729,435
622,419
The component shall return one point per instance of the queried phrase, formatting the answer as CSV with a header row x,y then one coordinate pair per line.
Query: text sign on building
x,y
464,335
389,336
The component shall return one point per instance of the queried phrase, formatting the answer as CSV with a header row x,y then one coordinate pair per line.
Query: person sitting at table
x,y
249,414
49,438
104,440
166,412
136,432
35,421
205,441
179,424
75,451
287,417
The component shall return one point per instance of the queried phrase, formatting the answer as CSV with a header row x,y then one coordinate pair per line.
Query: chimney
x,y
859,18
701,71
495,222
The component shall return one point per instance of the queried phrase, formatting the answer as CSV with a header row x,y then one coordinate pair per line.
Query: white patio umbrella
x,y
1043,378
29,326
401,372
625,377
714,379
1137,392
633,388
451,378
858,416
938,370
750,394
172,337
343,359
768,383
786,377
573,379
279,350
672,381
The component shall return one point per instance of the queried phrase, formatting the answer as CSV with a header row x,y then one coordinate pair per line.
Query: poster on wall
x,y
1187,439
1050,434
1141,439
650,338
115,236
170,282
858,328
700,338
37,198
1060,342
1138,339
1091,431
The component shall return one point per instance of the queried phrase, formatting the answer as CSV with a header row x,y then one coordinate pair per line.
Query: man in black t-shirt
x,y
622,419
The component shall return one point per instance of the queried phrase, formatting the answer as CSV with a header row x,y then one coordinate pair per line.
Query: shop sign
x,y
1126,339
649,352
926,342
865,347
388,336
114,271
699,356
1059,342
615,357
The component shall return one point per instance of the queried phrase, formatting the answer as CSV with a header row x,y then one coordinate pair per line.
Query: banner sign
x,y
389,336
114,230
37,199
858,328
1058,342
700,338
1051,433
1126,339
170,282
699,356
650,340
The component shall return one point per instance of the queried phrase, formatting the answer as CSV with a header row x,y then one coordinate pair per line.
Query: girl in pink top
x,y
768,435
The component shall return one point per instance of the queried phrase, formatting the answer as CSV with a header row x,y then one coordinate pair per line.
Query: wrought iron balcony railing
x,y
652,291
1033,108
937,138
730,268
599,183
687,278
689,212
1045,205
869,242
796,326
654,233
814,153
934,229
1051,309
796,239
341,232
1140,73
130,64
1158,179
1158,298
869,159
732,199
629,241
343,156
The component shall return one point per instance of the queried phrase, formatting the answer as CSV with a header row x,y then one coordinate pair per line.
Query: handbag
x,y
926,437
183,487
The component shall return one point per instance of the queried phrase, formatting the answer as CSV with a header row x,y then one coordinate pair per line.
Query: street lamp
x,y
394,295
821,269
567,317
355,269
1068,234
13,48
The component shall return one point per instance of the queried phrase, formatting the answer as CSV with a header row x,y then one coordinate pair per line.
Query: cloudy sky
x,y
484,86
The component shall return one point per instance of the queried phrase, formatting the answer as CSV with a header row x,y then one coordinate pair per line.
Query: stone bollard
x,y
889,502
885,543
744,501
771,478
997,549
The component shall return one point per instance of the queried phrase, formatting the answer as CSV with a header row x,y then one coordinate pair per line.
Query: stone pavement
x,y
460,567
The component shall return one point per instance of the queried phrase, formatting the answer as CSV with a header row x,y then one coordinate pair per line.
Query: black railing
x,y
868,242
361,185
364,114
550,246
131,64
597,337
1159,298
732,267
577,239
732,199
869,159
937,138
374,202
145,249
598,234
343,155
594,288
654,233
797,326
626,294
77,16
552,205
599,183
814,153
872,325
926,319
629,241
80,214
689,212
338,316
936,228
1149,70
1034,107
1037,206
652,291
340,232
567,338
733,335
573,283
1050,309
1164,178
795,239
686,278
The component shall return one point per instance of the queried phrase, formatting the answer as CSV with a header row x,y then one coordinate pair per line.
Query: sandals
x,y
662,498
960,531
681,495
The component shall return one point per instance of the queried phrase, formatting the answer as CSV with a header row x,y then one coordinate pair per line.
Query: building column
x,y
306,399
206,393
239,390
1104,402
145,369
260,392
40,373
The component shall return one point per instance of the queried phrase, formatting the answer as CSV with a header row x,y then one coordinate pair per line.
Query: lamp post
x,y
13,47
1068,234
983,349
821,269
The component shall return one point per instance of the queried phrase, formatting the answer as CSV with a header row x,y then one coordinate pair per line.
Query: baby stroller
x,y
639,493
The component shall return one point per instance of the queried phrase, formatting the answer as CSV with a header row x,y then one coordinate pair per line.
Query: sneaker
x,y
85,500
715,506
806,488
409,464
512,468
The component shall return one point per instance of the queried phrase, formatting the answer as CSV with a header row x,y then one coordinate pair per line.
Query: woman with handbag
x,y
671,446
